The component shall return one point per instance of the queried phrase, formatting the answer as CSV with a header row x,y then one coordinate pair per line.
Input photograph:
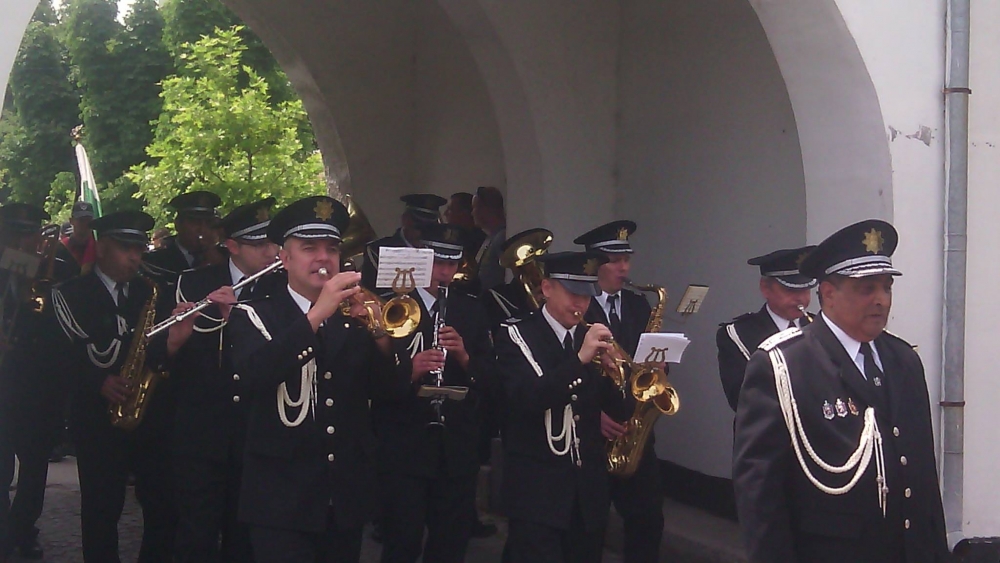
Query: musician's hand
x,y
179,333
115,389
338,288
609,428
426,362
359,308
595,342
224,298
452,341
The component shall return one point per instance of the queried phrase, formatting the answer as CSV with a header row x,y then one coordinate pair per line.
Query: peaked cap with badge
x,y
783,266
196,205
249,222
424,207
317,217
445,239
129,227
576,271
611,238
22,217
856,251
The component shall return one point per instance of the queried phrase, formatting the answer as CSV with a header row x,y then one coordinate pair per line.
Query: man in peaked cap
x,y
31,390
98,314
786,293
430,471
839,392
309,474
419,210
638,498
196,216
210,426
555,465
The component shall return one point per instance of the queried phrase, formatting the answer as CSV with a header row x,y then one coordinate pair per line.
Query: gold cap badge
x,y
323,209
873,241
623,234
590,268
262,214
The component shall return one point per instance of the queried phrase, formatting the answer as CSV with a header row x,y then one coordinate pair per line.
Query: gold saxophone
x,y
142,380
654,396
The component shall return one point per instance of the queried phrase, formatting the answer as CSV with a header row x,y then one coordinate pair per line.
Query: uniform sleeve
x,y
479,345
762,460
267,362
386,380
732,364
527,389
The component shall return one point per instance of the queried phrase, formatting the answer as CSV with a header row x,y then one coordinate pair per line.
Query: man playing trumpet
x,y
555,472
309,482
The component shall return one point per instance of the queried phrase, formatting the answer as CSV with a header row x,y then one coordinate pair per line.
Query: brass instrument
x,y
142,379
41,286
520,259
654,396
619,357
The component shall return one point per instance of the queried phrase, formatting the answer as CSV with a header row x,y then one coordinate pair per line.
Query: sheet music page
x,y
661,347
406,267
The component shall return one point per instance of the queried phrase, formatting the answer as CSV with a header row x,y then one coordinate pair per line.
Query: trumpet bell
x,y
401,316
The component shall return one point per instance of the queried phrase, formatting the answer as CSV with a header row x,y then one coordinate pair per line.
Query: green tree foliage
x,y
216,135
62,194
35,143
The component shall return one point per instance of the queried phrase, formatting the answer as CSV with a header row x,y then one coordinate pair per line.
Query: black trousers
x,y
18,517
105,457
208,492
531,542
272,545
639,501
441,504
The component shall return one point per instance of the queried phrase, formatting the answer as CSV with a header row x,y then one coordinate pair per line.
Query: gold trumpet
x,y
399,318
619,356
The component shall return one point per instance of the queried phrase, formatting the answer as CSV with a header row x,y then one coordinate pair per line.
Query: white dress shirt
x,y
236,274
301,301
781,322
853,347
109,283
557,327
604,301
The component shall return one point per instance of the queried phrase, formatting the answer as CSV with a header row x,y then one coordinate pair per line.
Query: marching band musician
x,y
419,210
834,450
430,469
786,293
309,482
196,217
508,302
210,425
31,389
555,471
98,313
638,498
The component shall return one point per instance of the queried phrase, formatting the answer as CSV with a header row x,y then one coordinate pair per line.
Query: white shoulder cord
x,y
102,359
307,392
502,302
869,442
735,337
180,298
254,318
416,345
571,442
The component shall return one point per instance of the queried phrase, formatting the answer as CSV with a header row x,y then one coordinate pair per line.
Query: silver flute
x,y
181,317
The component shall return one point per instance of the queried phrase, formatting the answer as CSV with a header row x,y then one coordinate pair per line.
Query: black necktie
x,y
120,291
872,373
791,324
240,291
568,342
614,321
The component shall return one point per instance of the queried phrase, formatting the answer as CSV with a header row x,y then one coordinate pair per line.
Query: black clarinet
x,y
439,322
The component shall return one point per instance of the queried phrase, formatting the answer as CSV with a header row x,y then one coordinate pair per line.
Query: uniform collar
x,y
185,253
782,323
235,273
109,283
301,301
602,300
556,326
428,299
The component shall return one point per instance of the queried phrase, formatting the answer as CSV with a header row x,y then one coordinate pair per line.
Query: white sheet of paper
x,y
20,262
661,346
691,301
398,264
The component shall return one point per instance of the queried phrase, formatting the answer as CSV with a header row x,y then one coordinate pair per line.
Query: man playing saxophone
x,y
639,498
101,314
309,482
210,424
428,457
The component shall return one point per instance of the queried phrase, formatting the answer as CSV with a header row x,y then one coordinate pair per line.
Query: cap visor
x,y
864,272
580,287
128,239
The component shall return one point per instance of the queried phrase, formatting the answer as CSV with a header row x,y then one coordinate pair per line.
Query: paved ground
x,y
690,536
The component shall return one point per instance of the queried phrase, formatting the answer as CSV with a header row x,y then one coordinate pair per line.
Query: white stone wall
x,y
16,15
